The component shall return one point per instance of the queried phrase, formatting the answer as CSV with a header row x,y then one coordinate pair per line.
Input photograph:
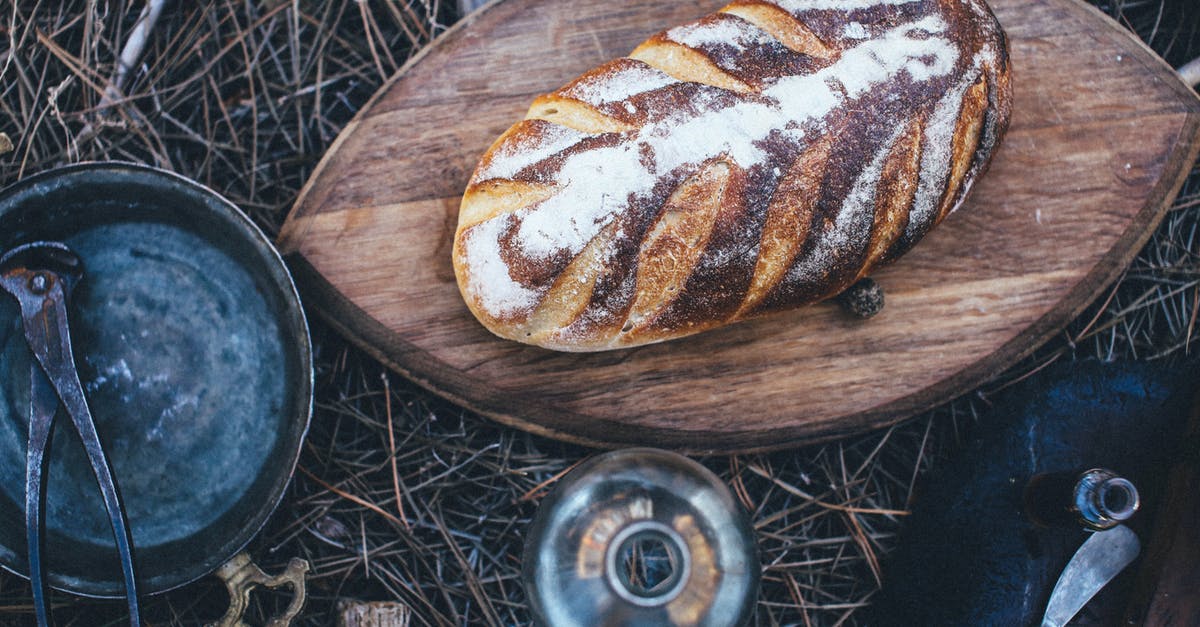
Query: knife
x,y
1101,558
969,542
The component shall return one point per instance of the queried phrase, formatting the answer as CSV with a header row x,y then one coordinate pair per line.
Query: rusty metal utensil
x,y
41,277
194,356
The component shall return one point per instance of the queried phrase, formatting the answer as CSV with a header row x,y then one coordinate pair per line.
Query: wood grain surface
x,y
1103,134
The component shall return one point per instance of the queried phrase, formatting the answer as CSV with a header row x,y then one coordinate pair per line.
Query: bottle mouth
x,y
648,563
1104,499
1117,499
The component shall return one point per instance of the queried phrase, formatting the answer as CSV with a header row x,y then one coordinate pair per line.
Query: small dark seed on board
x,y
863,299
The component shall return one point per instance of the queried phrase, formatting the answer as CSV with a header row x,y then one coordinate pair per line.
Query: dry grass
x,y
400,495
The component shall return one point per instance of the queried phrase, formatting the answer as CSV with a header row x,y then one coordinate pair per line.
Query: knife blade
x,y
1101,558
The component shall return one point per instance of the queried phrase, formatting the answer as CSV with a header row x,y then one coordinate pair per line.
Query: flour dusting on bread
x,y
525,149
851,229
800,6
737,34
620,83
896,62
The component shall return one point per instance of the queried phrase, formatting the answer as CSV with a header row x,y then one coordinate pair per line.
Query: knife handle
x,y
1165,592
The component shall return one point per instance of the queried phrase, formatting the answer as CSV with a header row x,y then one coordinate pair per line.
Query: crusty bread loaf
x,y
757,159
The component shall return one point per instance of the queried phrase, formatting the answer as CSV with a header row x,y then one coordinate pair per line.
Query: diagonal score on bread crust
x,y
841,233
941,120
524,145
569,295
853,127
733,52
968,132
612,88
574,114
495,197
673,245
686,64
894,197
782,25
788,219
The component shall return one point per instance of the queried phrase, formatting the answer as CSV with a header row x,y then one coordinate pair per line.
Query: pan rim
x,y
291,317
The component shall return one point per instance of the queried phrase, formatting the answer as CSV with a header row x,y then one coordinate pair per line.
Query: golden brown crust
x,y
782,25
788,218
897,190
759,158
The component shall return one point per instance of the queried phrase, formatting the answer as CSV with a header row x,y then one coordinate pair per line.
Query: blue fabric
x,y
969,556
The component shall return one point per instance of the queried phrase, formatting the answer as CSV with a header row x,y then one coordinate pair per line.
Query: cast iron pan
x,y
194,351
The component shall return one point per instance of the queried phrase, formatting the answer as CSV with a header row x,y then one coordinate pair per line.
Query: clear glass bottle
x,y
640,537
1096,499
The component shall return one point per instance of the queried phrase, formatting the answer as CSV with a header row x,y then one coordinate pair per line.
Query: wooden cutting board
x,y
1103,134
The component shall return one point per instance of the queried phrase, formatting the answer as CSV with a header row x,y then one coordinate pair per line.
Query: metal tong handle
x,y
42,405
42,292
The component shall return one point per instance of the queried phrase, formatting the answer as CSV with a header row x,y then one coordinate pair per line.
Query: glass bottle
x,y
640,537
1096,499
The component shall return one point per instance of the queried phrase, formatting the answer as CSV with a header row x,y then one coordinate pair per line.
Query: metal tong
x,y
41,276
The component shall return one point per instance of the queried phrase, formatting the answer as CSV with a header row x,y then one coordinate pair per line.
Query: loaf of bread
x,y
758,159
